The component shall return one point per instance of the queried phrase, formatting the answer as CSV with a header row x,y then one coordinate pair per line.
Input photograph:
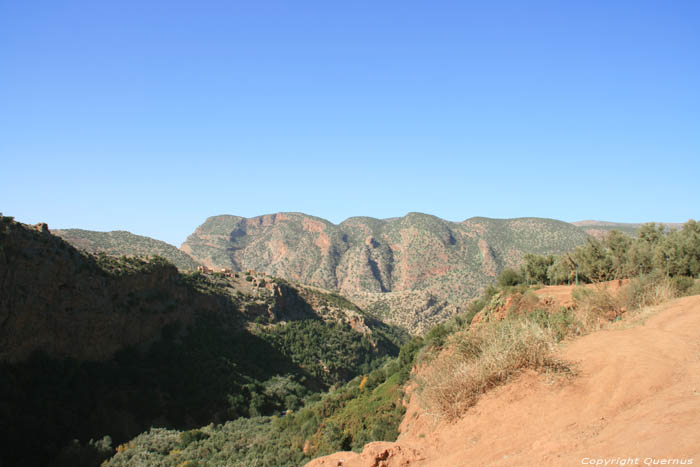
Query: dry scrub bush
x,y
596,304
694,289
526,302
482,359
647,291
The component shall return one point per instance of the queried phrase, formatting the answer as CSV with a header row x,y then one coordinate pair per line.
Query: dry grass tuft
x,y
598,301
482,359
596,306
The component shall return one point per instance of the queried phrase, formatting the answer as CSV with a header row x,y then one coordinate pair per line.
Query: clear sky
x,y
150,116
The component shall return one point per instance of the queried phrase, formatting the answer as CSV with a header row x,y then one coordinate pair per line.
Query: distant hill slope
x,y
96,345
413,271
599,229
120,242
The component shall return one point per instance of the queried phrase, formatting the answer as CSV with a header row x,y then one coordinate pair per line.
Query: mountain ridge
x,y
414,270
122,242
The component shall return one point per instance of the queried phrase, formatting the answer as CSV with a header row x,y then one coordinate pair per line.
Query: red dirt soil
x,y
636,395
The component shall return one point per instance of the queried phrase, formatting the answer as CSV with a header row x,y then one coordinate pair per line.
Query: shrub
x,y
561,323
682,284
92,453
509,277
525,301
695,289
437,336
191,436
475,307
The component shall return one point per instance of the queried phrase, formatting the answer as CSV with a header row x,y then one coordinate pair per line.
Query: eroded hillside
x,y
413,271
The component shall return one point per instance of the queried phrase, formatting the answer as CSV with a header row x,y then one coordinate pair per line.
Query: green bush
x,y
191,436
561,323
682,284
695,289
510,277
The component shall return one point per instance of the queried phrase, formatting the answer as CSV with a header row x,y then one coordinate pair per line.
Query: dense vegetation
x,y
208,372
331,352
368,408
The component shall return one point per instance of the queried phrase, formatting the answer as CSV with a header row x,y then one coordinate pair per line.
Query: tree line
x,y
656,249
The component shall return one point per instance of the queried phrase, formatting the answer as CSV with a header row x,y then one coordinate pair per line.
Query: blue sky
x,y
152,116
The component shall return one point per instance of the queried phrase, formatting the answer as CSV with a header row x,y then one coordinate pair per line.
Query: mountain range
x,y
413,271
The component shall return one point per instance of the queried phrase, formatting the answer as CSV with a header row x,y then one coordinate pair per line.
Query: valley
x,y
307,337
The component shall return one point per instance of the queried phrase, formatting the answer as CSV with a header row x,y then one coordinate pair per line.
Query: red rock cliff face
x,y
359,255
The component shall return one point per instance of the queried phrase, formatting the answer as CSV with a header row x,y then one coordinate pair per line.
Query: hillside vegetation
x,y
656,249
368,408
122,243
99,348
412,271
